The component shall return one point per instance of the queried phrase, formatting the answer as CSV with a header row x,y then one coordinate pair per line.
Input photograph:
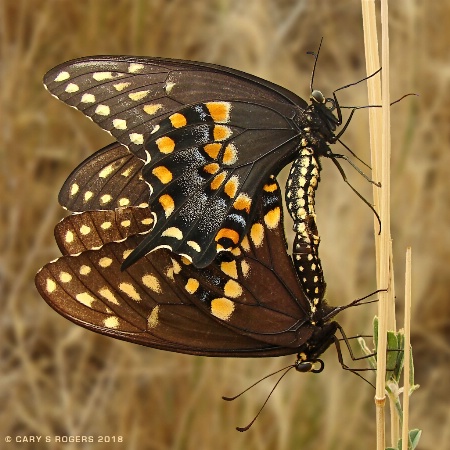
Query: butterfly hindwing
x,y
108,179
167,303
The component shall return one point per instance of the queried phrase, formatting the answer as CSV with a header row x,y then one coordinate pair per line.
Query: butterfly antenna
x,y
379,106
229,399
316,57
287,369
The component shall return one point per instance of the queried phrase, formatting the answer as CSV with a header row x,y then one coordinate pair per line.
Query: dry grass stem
x,y
407,331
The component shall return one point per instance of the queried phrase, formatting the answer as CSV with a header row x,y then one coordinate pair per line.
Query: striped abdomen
x,y
300,199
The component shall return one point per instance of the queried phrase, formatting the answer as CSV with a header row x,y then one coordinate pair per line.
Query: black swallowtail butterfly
x,y
249,302
208,136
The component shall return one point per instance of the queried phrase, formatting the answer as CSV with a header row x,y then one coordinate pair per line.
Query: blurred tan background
x,y
59,379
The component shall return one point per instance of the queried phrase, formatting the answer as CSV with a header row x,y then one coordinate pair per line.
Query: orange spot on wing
x,y
219,111
227,233
178,120
212,150
165,144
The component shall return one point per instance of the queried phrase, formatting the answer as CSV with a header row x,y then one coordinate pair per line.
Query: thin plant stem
x,y
406,368
380,151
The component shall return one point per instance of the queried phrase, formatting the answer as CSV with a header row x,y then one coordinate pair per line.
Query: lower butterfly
x,y
249,302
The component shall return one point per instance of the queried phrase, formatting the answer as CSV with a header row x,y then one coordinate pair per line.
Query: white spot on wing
x,y
120,124
71,88
62,76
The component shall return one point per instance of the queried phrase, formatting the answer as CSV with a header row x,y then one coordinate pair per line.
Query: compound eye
x,y
330,104
317,96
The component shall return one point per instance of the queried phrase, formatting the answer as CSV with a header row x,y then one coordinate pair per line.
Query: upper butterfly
x,y
209,137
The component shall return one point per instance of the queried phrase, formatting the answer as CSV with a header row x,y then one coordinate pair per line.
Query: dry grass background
x,y
58,379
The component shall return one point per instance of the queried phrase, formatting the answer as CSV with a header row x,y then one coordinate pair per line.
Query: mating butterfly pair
x,y
205,141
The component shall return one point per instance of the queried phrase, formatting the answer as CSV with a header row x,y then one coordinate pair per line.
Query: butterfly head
x,y
324,108
308,355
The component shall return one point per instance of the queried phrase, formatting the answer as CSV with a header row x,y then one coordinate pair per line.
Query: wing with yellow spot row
x,y
250,304
255,290
109,179
209,135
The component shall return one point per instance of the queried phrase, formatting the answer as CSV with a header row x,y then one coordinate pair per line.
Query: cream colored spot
x,y
272,218
245,268
136,96
192,285
88,98
69,236
71,88
173,232
153,317
136,138
102,110
194,245
126,253
121,86
126,173
169,86
105,225
232,289
106,293
120,124
176,267
111,322
130,290
88,195
106,172
152,109
50,285
147,221
62,76
257,234
135,67
152,283
84,230
85,298
105,262
124,201
222,308
106,198
229,268
74,189
85,270
245,244
101,76
125,223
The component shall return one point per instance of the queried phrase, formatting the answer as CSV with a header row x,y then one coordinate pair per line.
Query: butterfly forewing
x,y
241,129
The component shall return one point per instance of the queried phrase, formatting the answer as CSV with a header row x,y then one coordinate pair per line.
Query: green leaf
x,y
414,437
